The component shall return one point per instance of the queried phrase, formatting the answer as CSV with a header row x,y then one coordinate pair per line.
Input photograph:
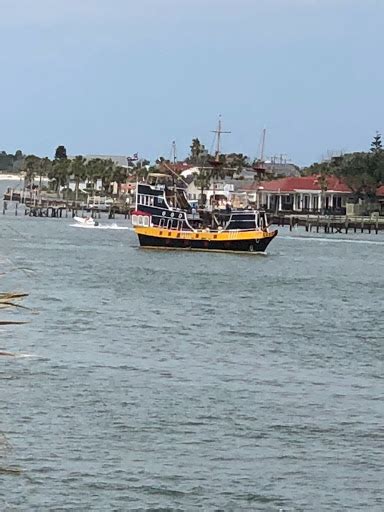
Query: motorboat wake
x,y
89,223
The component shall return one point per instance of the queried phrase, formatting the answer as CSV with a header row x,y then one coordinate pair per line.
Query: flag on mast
x,y
131,159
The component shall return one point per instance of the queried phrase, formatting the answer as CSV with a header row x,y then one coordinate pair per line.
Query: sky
x,y
118,77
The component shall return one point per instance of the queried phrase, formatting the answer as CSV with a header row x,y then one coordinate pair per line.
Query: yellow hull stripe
x,y
222,236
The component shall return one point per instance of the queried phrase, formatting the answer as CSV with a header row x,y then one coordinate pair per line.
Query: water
x,y
191,381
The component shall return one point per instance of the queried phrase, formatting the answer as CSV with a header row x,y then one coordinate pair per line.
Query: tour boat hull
x,y
257,241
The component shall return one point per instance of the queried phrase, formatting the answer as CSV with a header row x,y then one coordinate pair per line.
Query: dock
x,y
64,209
330,224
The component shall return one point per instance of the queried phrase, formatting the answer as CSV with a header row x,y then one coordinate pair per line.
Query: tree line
x,y
362,172
61,169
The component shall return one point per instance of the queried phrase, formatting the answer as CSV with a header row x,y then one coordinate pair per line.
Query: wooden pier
x,y
65,210
57,208
330,224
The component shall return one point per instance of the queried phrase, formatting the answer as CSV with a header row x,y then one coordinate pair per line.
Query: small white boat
x,y
86,221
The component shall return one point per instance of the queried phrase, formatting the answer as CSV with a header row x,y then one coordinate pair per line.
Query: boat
x,y
86,221
164,218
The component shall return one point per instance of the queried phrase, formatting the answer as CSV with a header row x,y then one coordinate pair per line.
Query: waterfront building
x,y
302,194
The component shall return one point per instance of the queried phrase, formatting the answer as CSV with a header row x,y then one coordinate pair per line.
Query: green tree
x,y
31,167
197,151
95,169
106,176
202,181
322,171
376,145
60,173
78,171
60,153
358,172
119,176
44,168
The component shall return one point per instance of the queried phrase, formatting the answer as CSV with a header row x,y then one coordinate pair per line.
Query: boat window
x,y
134,219
140,219
146,221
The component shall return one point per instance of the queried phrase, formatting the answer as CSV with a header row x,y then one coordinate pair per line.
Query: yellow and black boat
x,y
165,219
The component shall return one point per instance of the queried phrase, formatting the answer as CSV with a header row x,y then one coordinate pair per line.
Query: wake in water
x,y
100,226
332,240
19,355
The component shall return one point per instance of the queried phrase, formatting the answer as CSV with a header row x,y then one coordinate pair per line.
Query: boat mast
x,y
218,133
174,172
216,163
263,145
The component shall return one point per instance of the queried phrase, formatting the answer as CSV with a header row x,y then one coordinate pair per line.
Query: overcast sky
x,y
123,76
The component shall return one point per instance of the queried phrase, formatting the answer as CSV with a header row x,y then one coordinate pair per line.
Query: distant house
x,y
299,194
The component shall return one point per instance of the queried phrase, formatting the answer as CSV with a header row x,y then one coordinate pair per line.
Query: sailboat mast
x,y
216,161
218,135
263,145
174,171
174,152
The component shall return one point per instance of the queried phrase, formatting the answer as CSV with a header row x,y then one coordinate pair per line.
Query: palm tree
x,y
78,171
202,181
45,166
32,164
60,173
94,170
107,175
119,176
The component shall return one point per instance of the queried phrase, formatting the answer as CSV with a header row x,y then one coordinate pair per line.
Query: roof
x,y
178,167
300,183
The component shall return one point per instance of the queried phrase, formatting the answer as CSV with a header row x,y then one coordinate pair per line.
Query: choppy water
x,y
179,381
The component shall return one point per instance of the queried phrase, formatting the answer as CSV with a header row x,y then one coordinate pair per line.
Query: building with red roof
x,y
301,194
